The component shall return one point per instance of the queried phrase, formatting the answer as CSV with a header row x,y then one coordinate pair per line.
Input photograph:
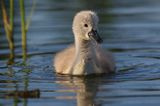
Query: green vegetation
x,y
23,29
9,27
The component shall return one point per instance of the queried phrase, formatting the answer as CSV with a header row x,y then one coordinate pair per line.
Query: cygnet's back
x,y
86,56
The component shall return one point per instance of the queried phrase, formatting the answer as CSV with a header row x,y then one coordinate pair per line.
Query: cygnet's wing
x,y
105,60
64,59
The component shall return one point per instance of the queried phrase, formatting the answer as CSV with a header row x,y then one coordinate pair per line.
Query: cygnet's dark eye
x,y
85,25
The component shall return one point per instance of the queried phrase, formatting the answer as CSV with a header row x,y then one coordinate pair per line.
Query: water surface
x,y
130,29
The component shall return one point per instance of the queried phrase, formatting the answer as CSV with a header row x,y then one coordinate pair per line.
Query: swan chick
x,y
85,56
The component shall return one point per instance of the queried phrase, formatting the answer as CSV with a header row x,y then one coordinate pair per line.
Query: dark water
x,y
131,30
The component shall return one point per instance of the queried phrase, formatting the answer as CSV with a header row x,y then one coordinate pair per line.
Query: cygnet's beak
x,y
94,34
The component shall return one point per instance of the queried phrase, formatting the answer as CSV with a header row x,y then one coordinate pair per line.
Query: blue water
x,y
130,29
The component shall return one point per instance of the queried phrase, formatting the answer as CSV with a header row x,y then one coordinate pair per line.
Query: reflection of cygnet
x,y
86,56
86,89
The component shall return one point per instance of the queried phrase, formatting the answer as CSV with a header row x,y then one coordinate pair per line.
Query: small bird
x,y
85,56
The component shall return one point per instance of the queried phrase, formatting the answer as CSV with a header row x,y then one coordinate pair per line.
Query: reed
x,y
25,26
23,30
8,26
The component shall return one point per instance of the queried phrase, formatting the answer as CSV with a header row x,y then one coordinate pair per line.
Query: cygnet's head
x,y
85,26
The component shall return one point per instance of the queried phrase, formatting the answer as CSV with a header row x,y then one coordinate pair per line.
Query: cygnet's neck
x,y
82,47
83,51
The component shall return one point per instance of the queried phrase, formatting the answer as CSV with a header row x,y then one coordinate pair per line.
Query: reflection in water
x,y
20,93
85,88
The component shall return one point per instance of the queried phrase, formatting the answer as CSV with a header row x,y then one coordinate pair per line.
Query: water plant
x,y
9,27
23,30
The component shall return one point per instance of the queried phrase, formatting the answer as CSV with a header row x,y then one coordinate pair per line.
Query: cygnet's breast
x,y
87,63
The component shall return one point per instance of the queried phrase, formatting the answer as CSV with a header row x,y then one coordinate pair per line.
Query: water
x,y
130,29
